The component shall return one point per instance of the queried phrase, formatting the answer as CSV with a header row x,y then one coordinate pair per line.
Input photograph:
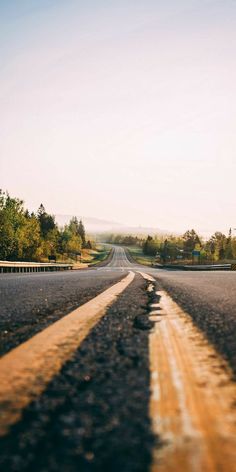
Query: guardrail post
x,y
20,267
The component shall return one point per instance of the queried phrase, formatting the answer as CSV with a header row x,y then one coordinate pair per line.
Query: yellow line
x,y
191,397
26,370
147,277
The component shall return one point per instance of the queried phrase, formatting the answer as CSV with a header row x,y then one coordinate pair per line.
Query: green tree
x,y
233,245
28,239
81,233
46,221
70,243
19,231
74,245
89,245
217,244
74,226
169,249
150,246
28,236
190,240
228,246
11,218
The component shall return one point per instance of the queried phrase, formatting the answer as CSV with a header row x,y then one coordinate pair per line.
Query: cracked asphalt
x,y
210,299
94,416
30,302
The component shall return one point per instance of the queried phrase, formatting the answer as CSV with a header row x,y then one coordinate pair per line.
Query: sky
x,y
121,110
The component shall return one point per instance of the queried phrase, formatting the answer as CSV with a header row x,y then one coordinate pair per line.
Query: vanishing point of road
x,y
121,368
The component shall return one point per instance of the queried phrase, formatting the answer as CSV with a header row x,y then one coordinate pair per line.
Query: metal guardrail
x,y
8,266
209,267
199,267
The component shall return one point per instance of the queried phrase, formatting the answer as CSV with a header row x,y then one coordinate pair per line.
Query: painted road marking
x,y
147,277
192,397
27,369
192,403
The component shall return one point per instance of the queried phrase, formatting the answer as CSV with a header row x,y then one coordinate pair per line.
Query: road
x,y
89,401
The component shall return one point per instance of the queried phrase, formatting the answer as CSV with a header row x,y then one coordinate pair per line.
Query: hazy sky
x,y
124,110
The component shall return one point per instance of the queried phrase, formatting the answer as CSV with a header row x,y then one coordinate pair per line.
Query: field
x,y
137,254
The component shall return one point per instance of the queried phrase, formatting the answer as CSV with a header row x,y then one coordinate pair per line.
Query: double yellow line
x,y
26,370
191,389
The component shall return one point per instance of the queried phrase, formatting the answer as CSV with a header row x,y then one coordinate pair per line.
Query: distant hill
x,y
96,225
92,225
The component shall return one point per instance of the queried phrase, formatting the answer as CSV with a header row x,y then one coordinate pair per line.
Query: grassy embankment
x,y
90,257
137,254
99,255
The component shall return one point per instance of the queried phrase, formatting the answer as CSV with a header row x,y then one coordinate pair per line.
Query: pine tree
x,y
74,226
46,221
81,232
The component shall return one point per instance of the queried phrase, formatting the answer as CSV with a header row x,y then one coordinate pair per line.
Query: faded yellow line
x,y
192,397
147,277
192,402
26,370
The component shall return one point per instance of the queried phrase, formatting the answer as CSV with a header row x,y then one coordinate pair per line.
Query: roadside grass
x,y
91,257
137,254
88,257
99,255
195,262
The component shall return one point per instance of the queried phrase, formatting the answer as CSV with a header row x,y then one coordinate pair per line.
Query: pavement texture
x,y
30,302
94,415
210,299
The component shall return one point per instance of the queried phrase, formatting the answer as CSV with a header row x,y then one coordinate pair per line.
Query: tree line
x,y
36,236
218,247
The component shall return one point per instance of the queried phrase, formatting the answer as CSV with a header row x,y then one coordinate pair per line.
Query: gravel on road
x,y
210,299
30,303
94,415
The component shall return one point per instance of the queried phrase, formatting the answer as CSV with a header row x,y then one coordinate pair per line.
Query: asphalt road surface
x,y
93,416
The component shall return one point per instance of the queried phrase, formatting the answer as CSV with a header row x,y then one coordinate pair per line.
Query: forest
x,y
29,236
219,247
